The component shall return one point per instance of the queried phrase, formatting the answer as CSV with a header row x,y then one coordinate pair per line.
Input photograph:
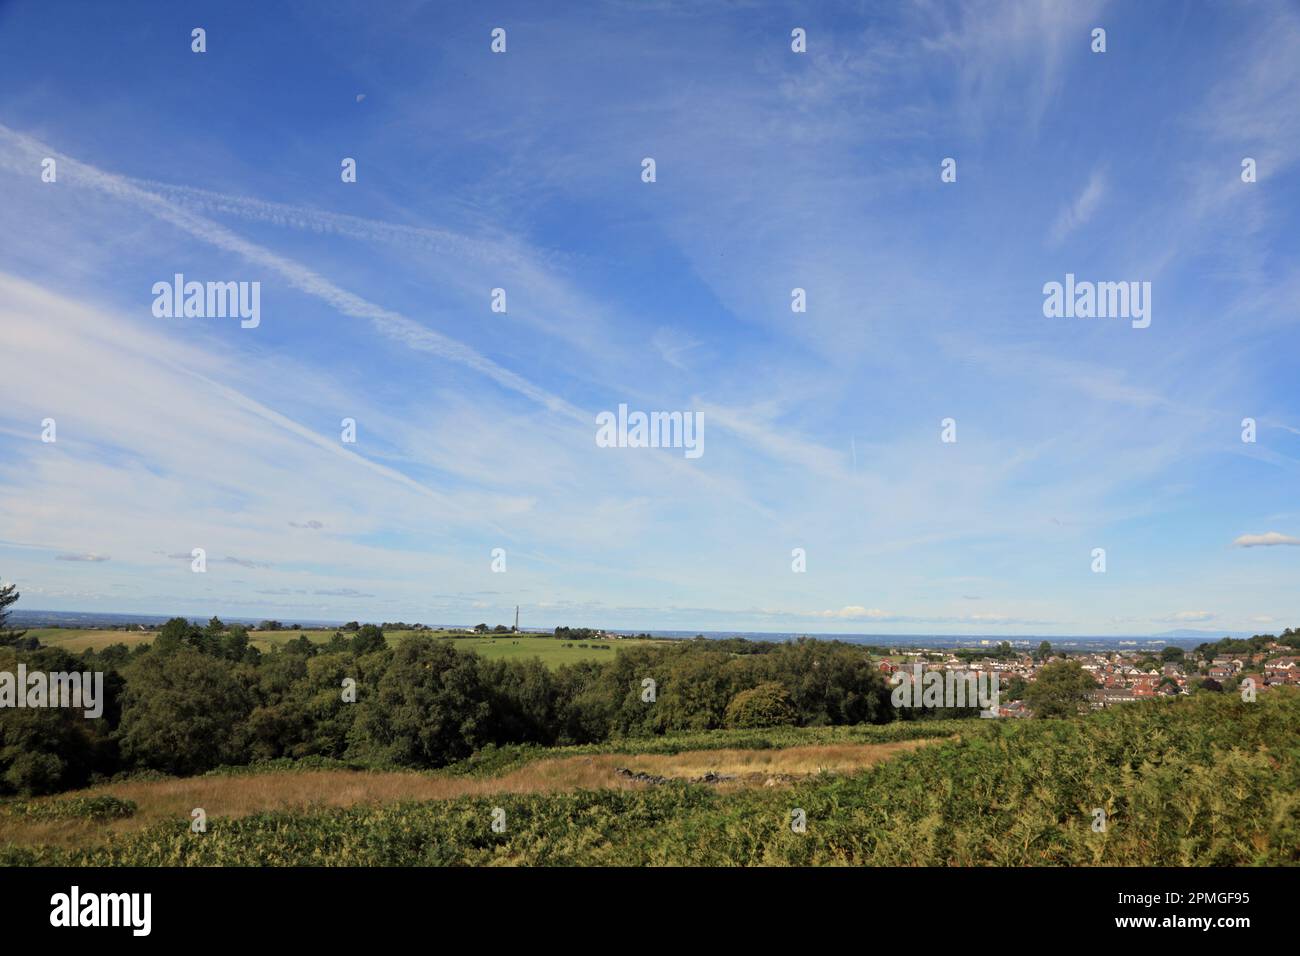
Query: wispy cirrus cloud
x,y
1081,210
245,562
18,150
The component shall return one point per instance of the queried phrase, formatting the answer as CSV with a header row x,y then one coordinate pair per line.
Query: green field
x,y
549,650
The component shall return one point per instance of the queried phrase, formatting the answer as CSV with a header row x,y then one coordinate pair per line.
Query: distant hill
x,y
1184,632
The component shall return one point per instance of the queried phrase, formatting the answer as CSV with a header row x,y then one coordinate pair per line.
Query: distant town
x,y
1124,675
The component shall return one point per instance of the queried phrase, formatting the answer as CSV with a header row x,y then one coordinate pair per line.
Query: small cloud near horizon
x,y
1268,540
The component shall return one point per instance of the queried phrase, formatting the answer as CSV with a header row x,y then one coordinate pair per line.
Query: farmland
x,y
549,650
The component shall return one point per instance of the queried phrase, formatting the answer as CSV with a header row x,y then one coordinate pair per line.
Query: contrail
x,y
22,154
340,224
25,154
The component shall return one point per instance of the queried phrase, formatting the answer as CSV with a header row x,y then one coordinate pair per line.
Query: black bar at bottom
x,y
334,905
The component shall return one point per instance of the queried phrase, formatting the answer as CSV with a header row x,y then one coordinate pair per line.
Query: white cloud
x,y
1268,540
857,613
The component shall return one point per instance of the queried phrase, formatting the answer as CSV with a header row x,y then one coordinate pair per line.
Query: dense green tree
x,y
369,637
1014,688
525,701
184,712
430,707
1062,689
331,717
303,645
586,702
46,749
693,695
233,645
833,683
112,656
301,710
178,632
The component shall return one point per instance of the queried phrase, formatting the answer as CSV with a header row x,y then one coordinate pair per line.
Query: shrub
x,y
81,808
767,705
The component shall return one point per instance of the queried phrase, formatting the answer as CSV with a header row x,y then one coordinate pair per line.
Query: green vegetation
x,y
8,636
547,649
1201,780
1205,781
1231,646
196,698
1060,690
83,808
767,705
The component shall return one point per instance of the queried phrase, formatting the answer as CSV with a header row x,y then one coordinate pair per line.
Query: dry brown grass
x,y
752,767
243,795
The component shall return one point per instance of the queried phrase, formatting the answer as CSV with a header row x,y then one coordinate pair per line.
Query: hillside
x,y
1206,781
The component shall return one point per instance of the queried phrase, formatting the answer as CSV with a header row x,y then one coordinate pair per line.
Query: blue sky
x,y
775,170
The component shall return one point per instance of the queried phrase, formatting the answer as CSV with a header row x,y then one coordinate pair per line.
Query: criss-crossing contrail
x,y
23,152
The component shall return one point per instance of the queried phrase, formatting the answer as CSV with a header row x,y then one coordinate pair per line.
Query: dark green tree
x,y
1062,689
369,637
46,749
430,707
178,632
8,597
184,713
